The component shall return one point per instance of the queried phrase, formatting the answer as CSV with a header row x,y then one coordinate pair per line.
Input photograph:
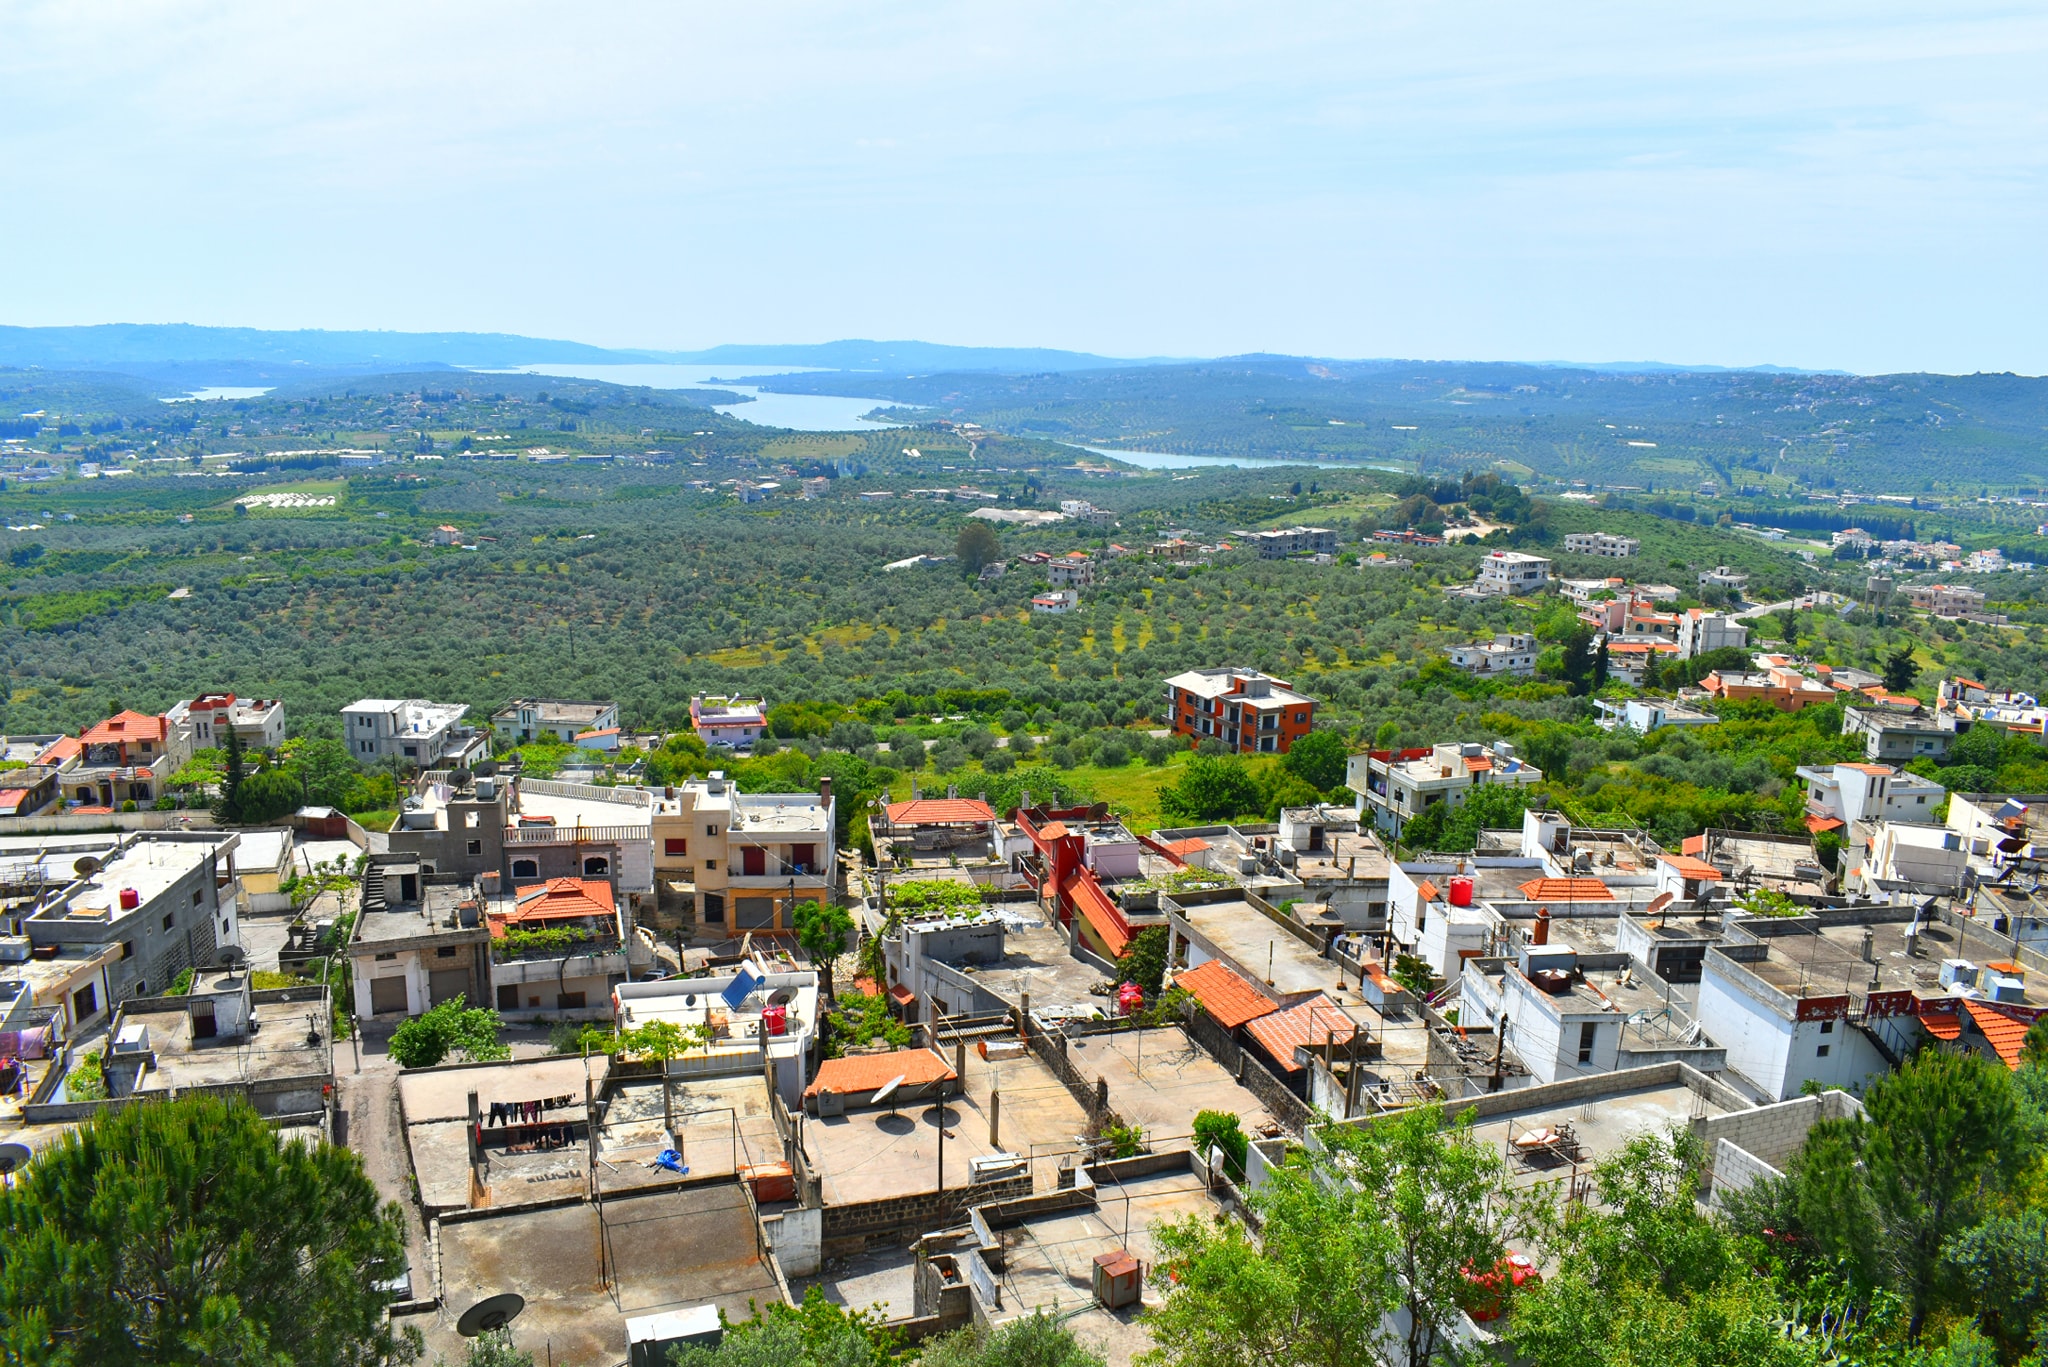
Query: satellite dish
x,y
13,1156
887,1089
493,1312
1658,904
230,956
85,866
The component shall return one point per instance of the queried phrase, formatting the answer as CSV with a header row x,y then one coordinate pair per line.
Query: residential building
x,y
445,535
1960,704
1406,537
1630,661
525,719
1587,591
1380,560
1722,577
1249,711
1907,862
224,1038
1839,795
1057,601
419,940
1081,510
727,862
768,1030
26,791
1072,570
1645,715
1602,544
1569,1012
1782,686
204,721
948,825
411,733
1945,600
1397,785
125,758
560,947
157,896
1642,623
735,723
1319,857
1700,631
1509,653
1512,573
1892,736
1281,542
1733,863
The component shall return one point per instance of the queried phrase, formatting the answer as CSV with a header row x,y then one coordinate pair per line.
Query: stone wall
x,y
1770,1135
849,1226
1282,1104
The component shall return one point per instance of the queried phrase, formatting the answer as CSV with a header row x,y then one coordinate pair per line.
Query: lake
x,y
221,391
1173,460
798,412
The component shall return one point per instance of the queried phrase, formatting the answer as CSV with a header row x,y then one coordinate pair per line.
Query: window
x,y
224,929
386,958
673,846
127,949
508,997
195,897
1588,1032
170,919
710,832
444,951
525,868
412,752
569,1001
1822,1052
476,847
84,1002
1827,1027
597,866
710,864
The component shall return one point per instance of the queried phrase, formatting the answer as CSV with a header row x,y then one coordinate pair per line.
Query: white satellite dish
x,y
887,1089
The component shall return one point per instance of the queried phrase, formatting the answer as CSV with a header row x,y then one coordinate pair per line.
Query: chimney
x,y
825,789
1541,934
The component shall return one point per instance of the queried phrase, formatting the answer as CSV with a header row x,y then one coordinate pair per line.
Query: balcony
x,y
557,966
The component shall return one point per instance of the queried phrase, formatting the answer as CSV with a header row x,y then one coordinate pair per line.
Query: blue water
x,y
221,391
798,412
1173,460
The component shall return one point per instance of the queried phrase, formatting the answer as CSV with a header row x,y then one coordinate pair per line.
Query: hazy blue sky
x,y
1856,185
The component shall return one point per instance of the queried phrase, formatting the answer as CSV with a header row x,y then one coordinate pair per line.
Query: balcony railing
x,y
574,835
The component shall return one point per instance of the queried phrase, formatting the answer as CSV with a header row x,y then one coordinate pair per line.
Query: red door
x,y
753,860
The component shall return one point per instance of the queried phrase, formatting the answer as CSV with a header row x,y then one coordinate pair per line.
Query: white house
x,y
412,731
1059,600
1509,653
1398,785
1512,573
1603,544
1700,631
1844,794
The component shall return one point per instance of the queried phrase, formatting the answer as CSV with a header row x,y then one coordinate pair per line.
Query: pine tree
x,y
229,806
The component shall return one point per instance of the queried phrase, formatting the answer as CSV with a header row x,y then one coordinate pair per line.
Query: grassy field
x,y
1132,791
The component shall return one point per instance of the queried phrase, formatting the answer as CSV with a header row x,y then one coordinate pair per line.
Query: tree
x,y
233,765
2002,1265
1210,788
1033,1340
1944,1137
328,775
665,1041
815,1334
1318,759
493,1348
976,546
1144,963
822,931
1220,1130
1899,669
1362,1255
428,1038
190,1231
1600,666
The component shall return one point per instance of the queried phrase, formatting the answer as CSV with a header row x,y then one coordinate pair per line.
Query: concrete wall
x,y
1772,1134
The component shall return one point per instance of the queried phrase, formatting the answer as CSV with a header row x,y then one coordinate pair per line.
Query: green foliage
x,y
1144,961
493,1348
922,897
1038,1339
1488,807
190,1231
976,546
1318,759
1412,972
822,929
858,1019
577,1037
1124,1141
1220,1130
816,1334
181,984
429,1038
1767,902
1212,788
86,1081
545,939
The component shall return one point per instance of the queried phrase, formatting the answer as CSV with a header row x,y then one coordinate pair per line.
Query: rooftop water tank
x,y
130,899
1461,891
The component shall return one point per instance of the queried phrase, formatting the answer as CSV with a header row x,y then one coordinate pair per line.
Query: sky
x,y
1857,186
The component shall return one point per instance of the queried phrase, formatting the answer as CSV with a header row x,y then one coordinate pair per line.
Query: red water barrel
x,y
775,1019
1461,892
130,899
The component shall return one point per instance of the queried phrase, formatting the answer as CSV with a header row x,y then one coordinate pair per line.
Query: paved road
x,y
1803,603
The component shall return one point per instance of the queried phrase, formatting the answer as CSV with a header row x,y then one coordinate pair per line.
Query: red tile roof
x,y
1101,913
1691,868
1425,891
865,1074
2004,1034
1816,823
1194,844
61,749
1309,1023
1566,890
1225,994
1941,1024
1478,764
558,899
1693,844
126,726
938,811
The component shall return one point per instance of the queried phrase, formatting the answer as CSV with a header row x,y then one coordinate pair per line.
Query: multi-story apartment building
x,y
1072,570
1700,631
1509,653
525,719
1893,737
125,758
1281,542
726,862
1844,794
1249,712
1512,574
1396,785
1602,544
1722,577
164,899
1945,600
411,732
204,721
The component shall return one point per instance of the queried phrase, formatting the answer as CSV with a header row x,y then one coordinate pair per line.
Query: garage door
x,y
447,984
754,913
387,994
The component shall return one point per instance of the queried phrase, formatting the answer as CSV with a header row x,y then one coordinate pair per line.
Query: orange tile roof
x,y
558,899
2004,1034
1425,891
1225,994
1941,1024
1693,844
1874,770
61,749
1101,913
938,811
862,1074
1194,844
1691,868
1815,824
1309,1023
1566,890
126,726
1478,764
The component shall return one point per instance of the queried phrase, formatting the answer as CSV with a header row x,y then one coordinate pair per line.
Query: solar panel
x,y
741,988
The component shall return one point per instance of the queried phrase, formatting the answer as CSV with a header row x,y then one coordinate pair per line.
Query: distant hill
x,y
899,357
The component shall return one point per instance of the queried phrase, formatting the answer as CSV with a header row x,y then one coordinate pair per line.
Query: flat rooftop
x,y
1050,1259
1159,1079
572,810
435,1103
1263,950
1601,1126
1811,959
780,814
664,1250
433,914
1038,961
279,1049
870,1154
148,866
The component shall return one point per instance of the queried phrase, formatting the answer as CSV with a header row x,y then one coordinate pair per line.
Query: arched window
x,y
596,866
525,868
